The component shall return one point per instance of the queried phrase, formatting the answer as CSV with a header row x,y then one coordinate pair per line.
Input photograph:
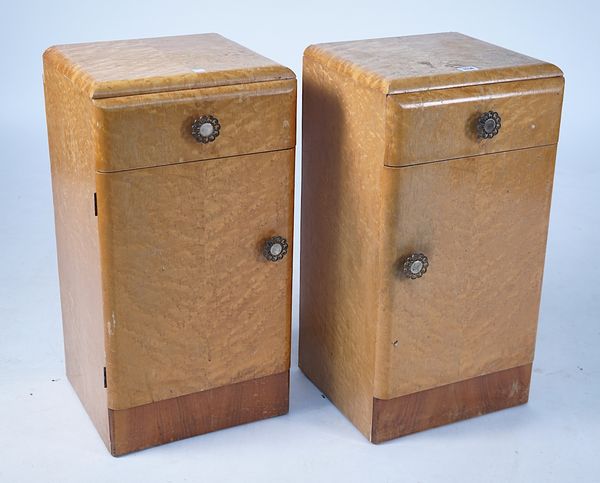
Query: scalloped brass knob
x,y
275,248
415,266
488,124
206,129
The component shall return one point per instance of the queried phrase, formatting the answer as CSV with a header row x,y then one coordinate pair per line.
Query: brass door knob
x,y
206,129
275,248
415,266
488,125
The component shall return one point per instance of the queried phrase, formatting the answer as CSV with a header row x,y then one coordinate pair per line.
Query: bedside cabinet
x,y
173,175
427,175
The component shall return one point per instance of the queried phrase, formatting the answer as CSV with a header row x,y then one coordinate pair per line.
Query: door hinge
x,y
95,205
104,373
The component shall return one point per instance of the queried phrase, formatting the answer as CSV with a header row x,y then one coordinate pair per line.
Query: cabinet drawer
x,y
428,126
156,129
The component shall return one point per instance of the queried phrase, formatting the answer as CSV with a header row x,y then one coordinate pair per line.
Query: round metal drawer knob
x,y
275,248
488,125
206,129
415,266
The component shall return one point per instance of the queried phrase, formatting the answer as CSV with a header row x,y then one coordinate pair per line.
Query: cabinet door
x,y
191,303
482,222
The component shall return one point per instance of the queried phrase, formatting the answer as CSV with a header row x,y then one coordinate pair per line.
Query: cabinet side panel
x,y
70,134
342,160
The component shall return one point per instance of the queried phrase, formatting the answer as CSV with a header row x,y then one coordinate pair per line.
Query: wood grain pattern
x,y
483,223
140,66
69,120
156,129
530,112
339,261
202,412
167,287
425,62
190,301
447,404
366,333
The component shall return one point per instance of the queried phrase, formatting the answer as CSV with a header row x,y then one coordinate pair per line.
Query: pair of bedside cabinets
x,y
427,168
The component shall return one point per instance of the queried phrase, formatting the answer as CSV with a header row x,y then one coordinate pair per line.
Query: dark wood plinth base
x,y
202,412
446,404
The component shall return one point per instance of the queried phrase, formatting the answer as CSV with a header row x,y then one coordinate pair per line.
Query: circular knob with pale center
x,y
488,124
415,266
275,248
206,129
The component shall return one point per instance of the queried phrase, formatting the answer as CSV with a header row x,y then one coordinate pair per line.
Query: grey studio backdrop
x,y
45,435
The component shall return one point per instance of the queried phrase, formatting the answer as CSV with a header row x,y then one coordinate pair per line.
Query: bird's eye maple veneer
x,y
172,169
427,174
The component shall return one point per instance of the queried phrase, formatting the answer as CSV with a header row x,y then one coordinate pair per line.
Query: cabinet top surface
x,y
129,67
423,62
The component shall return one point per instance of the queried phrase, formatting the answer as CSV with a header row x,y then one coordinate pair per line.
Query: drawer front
x,y
443,124
191,301
182,126
482,224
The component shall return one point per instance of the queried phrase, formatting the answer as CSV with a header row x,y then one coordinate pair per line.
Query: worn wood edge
x,y
103,90
442,405
539,70
317,54
199,413
543,70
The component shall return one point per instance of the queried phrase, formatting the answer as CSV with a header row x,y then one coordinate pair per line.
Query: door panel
x,y
482,222
191,303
